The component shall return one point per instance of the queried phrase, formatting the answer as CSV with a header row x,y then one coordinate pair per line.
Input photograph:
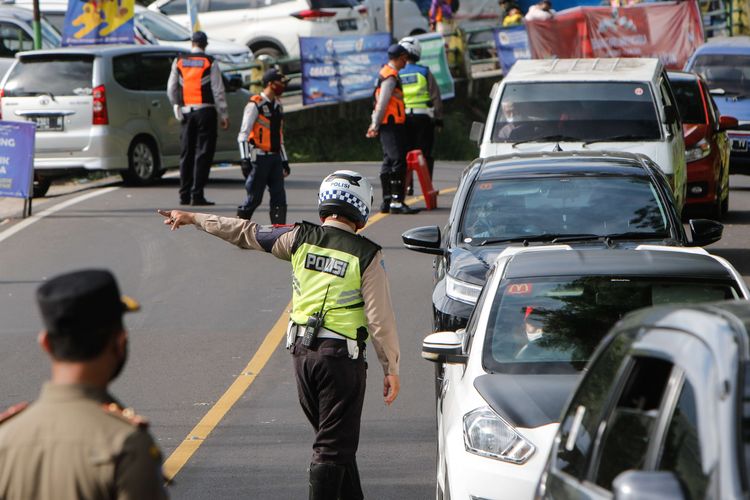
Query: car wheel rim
x,y
143,161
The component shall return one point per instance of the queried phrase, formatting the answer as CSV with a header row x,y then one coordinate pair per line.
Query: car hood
x,y
527,401
216,47
693,133
738,107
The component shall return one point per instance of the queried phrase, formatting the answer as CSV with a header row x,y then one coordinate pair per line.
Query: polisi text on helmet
x,y
343,185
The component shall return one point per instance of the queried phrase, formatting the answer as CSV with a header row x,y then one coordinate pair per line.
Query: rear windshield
x,y
689,101
576,111
332,4
58,75
725,71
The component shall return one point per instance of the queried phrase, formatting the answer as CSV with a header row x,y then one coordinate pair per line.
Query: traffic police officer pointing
x,y
196,91
340,299
76,441
261,140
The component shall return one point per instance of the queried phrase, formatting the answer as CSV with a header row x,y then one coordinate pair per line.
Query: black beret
x,y
200,38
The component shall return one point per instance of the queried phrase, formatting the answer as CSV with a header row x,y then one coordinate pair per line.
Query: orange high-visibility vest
x,y
394,111
262,133
195,79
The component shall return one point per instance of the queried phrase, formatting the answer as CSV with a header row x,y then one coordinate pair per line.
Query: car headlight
x,y
488,435
461,290
698,152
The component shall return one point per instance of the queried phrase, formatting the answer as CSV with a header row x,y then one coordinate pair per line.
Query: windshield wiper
x,y
617,138
547,138
636,235
552,237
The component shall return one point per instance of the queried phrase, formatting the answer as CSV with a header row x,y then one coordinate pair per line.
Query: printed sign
x,y
16,159
98,22
512,44
341,68
434,57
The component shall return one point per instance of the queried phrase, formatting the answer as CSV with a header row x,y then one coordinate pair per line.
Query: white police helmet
x,y
346,193
412,46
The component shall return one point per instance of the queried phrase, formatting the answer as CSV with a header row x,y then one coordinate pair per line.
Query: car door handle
x,y
156,103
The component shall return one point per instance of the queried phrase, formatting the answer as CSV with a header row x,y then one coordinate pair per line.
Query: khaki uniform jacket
x,y
73,443
376,292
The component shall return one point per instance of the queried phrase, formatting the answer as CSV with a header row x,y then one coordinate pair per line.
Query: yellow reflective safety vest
x,y
327,265
415,85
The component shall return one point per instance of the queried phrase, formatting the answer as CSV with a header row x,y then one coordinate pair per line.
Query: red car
x,y
706,144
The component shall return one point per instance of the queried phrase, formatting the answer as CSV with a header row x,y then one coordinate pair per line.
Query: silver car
x,y
104,108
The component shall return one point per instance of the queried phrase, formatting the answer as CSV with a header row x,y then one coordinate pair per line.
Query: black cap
x,y
396,50
81,301
200,38
273,75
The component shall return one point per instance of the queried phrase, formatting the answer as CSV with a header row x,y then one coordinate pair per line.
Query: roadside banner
x,y
98,22
670,31
511,45
341,68
434,57
192,12
16,159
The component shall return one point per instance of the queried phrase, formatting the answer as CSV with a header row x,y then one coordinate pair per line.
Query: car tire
x,y
143,163
268,50
40,188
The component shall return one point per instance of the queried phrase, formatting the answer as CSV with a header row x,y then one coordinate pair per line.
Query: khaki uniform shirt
x,y
72,443
375,289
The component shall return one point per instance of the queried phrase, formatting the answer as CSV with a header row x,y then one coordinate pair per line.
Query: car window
x,y
579,425
632,422
126,71
681,452
689,101
154,72
50,35
553,325
668,99
730,72
217,5
59,75
56,19
599,205
583,111
163,27
174,7
13,39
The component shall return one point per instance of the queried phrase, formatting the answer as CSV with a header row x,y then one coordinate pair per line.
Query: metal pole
x,y
37,24
388,16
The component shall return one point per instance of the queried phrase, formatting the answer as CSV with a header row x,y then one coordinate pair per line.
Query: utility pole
x,y
37,25
388,16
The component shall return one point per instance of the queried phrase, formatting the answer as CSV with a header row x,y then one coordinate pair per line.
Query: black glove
x,y
285,168
246,166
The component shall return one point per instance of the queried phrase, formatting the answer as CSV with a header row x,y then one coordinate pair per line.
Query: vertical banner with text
x,y
98,22
434,57
16,159
511,44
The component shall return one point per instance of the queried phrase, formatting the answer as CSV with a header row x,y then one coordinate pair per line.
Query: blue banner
x,y
98,22
341,68
16,159
511,44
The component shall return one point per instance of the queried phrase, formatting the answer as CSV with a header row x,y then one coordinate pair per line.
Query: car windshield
x,y
553,325
560,206
50,36
56,75
689,101
730,72
576,111
162,27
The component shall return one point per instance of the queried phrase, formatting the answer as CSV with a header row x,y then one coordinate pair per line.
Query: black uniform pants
x,y
198,142
420,134
392,140
267,171
331,389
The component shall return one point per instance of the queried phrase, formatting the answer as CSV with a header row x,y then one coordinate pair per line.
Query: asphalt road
x,y
205,348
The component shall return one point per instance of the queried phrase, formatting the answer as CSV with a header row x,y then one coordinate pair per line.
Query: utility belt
x,y
421,111
295,331
196,107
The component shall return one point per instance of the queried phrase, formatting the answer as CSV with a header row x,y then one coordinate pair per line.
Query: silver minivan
x,y
104,108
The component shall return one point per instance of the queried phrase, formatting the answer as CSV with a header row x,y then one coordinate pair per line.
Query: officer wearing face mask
x,y
261,141
76,441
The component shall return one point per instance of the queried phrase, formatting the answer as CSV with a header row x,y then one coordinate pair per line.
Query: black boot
x,y
385,182
278,214
351,488
245,213
397,196
325,481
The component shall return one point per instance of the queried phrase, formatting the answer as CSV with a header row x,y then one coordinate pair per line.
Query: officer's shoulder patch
x,y
13,411
126,414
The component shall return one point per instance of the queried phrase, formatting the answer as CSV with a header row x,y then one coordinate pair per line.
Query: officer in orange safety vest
x,y
196,91
261,140
388,120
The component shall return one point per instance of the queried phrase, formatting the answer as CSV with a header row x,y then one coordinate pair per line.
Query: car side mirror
x,y
233,83
647,485
425,239
728,122
445,347
705,231
477,130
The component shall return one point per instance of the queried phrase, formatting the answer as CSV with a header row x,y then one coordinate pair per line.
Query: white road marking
x,y
49,211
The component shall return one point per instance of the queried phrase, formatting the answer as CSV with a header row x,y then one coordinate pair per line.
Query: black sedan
x,y
583,199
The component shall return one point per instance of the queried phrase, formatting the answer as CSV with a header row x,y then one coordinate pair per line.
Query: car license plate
x,y
739,144
47,123
347,24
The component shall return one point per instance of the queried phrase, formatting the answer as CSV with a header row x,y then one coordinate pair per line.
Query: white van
x,y
588,104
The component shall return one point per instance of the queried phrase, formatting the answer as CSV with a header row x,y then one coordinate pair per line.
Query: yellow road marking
x,y
208,423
